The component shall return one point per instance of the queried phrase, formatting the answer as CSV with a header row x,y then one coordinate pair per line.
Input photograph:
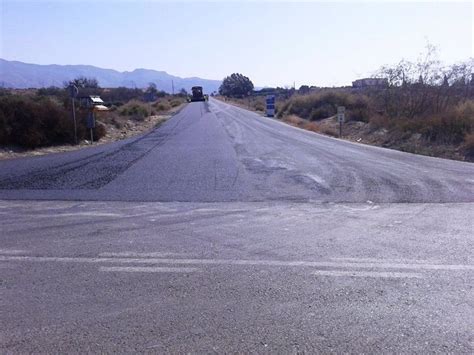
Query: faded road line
x,y
127,254
12,251
374,260
147,269
367,274
152,261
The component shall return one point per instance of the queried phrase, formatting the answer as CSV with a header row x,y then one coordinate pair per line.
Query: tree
x,y
83,82
304,89
152,90
236,85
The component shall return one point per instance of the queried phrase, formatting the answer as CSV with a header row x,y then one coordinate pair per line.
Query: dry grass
x,y
468,147
312,126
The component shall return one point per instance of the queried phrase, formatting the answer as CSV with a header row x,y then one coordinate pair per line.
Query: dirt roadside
x,y
362,132
129,129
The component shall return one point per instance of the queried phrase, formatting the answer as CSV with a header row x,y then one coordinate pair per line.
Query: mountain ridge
x,y
21,75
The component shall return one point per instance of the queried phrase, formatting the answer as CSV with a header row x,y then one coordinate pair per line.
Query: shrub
x,y
175,103
468,147
311,126
321,112
450,127
52,91
135,109
32,123
322,105
99,131
330,132
259,106
38,121
162,106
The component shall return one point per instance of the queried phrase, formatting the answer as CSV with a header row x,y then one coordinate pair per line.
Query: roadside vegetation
x,y
42,117
424,108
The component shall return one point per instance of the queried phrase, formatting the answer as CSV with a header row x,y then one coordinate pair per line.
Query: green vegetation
x,y
424,108
31,122
236,85
38,118
324,104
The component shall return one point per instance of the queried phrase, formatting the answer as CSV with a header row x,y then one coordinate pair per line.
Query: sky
x,y
274,43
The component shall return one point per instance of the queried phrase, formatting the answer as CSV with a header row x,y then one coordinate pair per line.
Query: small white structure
x,y
93,102
370,82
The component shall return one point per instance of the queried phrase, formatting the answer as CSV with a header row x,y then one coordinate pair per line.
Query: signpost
x,y
91,123
73,91
340,117
270,105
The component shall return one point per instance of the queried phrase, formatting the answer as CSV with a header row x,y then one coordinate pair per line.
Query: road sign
x,y
90,120
270,105
341,113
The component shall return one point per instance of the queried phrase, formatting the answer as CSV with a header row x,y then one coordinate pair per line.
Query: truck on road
x,y
197,94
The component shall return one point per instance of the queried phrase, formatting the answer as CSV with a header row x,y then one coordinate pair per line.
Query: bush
x,y
121,95
259,106
322,105
33,123
99,131
468,147
39,121
450,127
321,112
162,105
175,103
136,110
52,91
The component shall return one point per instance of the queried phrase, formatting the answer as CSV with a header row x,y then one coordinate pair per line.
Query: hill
x,y
19,75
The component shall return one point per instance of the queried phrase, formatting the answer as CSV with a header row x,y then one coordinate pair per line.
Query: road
x,y
223,231
219,153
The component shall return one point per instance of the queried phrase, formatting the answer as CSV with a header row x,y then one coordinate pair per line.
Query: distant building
x,y
370,83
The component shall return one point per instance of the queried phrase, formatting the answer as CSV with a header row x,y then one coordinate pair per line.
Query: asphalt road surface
x,y
213,152
223,231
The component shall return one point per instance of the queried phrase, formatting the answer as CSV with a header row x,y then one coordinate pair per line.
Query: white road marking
x,y
12,251
128,254
374,260
367,274
147,269
87,214
361,265
76,214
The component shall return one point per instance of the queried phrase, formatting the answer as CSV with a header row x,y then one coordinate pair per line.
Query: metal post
x,y
92,133
340,117
74,119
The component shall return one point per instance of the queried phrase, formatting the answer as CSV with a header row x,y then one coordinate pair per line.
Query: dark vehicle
x,y
197,94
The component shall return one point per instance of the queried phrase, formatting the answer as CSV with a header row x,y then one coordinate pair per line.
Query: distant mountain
x,y
20,75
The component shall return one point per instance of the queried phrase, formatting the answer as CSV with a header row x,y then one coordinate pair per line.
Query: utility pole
x,y
73,91
172,86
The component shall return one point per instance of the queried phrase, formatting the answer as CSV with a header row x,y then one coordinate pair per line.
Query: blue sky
x,y
274,43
